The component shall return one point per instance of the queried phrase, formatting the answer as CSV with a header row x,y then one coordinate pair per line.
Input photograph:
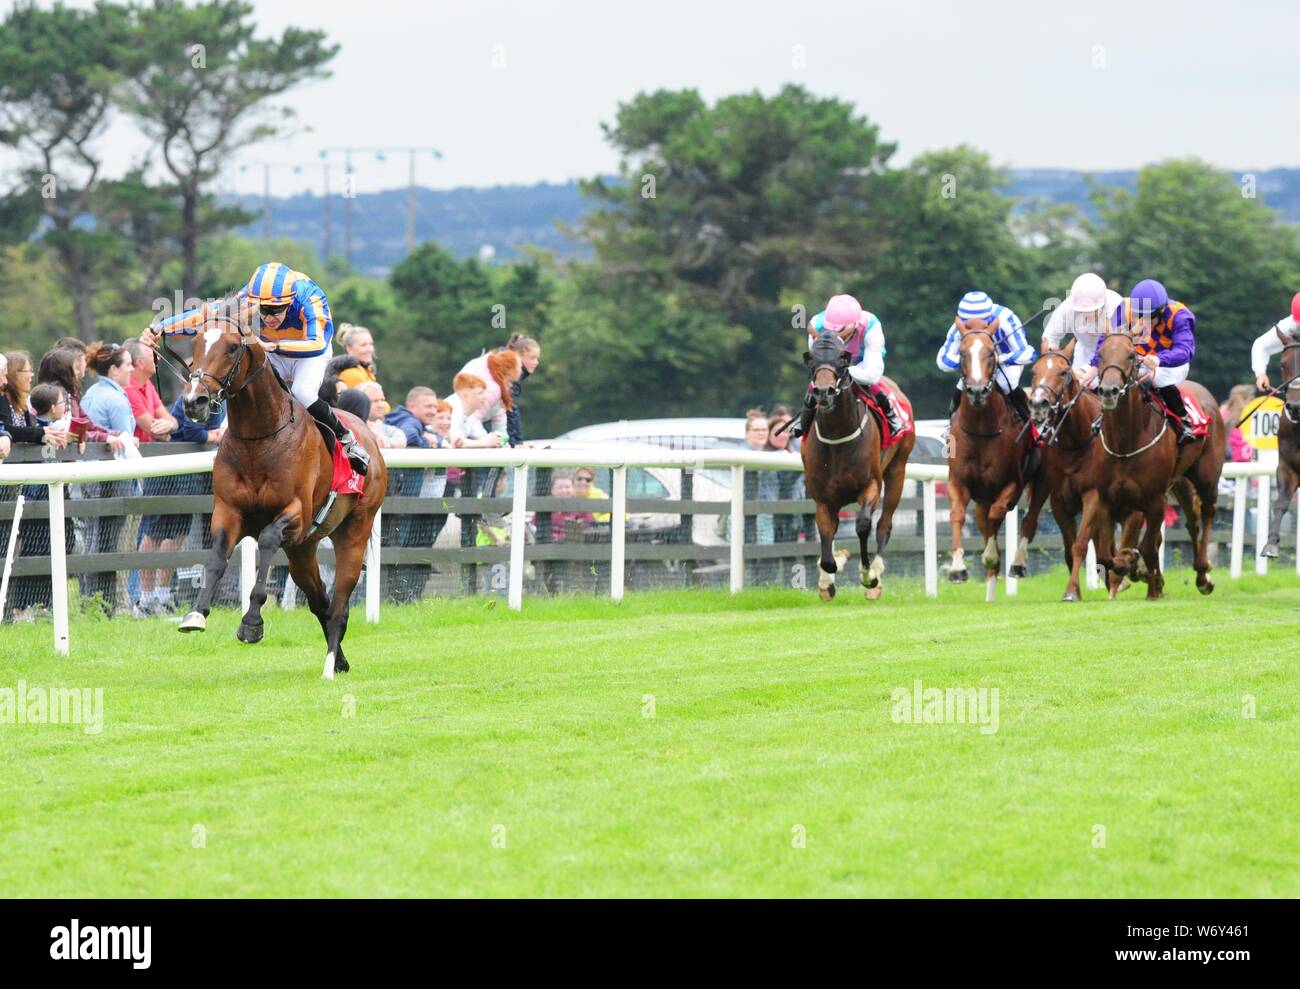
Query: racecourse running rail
x,y
57,475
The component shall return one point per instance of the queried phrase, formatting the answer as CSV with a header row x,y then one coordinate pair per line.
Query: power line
x,y
350,193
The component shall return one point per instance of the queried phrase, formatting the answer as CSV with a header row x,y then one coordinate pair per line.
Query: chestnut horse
x,y
987,452
271,480
1288,445
1142,462
842,464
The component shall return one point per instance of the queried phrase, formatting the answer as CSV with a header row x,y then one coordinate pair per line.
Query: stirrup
x,y
356,454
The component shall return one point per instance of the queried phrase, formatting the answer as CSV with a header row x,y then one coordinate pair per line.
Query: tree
x,y
719,212
59,72
1226,255
200,86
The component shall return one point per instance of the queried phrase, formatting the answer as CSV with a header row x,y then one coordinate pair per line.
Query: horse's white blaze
x,y
212,336
976,365
1021,552
328,672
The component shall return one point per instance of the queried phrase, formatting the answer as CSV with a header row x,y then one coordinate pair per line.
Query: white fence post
x,y
1238,526
929,511
1295,508
58,569
1013,546
737,529
247,571
518,528
1090,566
1160,551
372,568
618,535
1261,525
9,553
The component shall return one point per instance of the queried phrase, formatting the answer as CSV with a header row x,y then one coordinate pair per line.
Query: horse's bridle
x,y
225,391
993,349
1130,374
1285,386
1056,411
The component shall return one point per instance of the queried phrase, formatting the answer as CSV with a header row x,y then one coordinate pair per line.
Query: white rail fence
x,y
57,475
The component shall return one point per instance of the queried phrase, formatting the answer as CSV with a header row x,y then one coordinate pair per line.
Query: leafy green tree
x,y
60,70
200,85
1225,254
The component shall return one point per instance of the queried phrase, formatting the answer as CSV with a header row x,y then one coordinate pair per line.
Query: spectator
x,y
466,428
413,419
357,402
107,405
385,435
498,371
566,527
358,343
440,432
152,420
49,404
789,485
6,441
584,486
177,528
758,528
332,384
16,417
1231,411
65,367
530,355
418,413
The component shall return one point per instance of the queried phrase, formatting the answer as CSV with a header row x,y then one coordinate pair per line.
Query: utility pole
x,y
266,167
325,167
350,193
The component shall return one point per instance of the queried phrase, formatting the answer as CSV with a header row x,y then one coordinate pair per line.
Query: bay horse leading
x,y
273,480
1142,462
990,456
842,463
1288,446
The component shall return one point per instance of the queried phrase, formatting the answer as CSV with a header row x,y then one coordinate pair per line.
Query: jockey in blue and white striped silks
x,y
1013,349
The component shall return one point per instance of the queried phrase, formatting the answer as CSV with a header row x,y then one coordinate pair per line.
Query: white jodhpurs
x,y
303,375
1165,376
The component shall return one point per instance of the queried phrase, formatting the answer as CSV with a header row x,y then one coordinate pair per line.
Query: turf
x,y
678,744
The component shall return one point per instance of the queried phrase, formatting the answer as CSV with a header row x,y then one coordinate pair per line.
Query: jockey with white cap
x,y
864,340
1013,350
1085,314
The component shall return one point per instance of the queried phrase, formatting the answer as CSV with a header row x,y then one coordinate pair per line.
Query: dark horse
x,y
1288,445
1063,412
987,452
1142,462
842,464
271,481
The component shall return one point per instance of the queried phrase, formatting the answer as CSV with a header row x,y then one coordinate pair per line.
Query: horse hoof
x,y
991,564
193,622
958,576
873,593
1019,570
341,664
1124,585
1071,597
1269,551
1207,587
249,633
826,593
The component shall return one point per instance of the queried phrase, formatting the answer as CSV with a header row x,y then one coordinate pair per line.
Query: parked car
x,y
676,434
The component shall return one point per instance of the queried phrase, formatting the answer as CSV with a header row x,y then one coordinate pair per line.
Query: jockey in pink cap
x,y
865,341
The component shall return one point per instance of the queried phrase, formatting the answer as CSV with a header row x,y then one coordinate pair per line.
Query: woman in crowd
x,y
15,414
530,355
499,371
357,343
65,367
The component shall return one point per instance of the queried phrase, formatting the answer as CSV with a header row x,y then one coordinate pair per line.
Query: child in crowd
x,y
50,405
467,429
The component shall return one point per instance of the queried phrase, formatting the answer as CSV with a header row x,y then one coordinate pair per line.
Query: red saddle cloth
x,y
1196,419
346,480
887,436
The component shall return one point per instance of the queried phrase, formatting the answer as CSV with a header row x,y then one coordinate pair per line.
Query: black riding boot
x,y
887,406
356,453
805,416
1173,400
1020,402
954,402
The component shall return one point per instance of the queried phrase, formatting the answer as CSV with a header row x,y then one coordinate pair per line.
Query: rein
x,y
1130,379
1273,392
224,390
1057,413
841,382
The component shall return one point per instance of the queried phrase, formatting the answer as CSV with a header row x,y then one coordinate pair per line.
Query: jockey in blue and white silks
x,y
864,340
295,325
1013,350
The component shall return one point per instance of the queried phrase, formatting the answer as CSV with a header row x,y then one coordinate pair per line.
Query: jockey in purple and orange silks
x,y
865,342
1166,335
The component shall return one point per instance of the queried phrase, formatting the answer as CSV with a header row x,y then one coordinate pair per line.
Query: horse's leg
x,y
250,627
227,530
1126,560
990,534
1286,485
349,554
1065,522
1029,527
957,500
827,523
1207,495
1088,528
1190,500
996,514
870,581
895,480
305,571
1151,553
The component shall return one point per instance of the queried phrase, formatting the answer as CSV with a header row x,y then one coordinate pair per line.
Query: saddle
x,y
904,408
1196,420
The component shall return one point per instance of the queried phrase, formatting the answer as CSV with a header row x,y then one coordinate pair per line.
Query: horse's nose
x,y
198,408
1108,392
1038,406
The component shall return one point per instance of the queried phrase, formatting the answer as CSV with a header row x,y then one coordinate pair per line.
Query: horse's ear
x,y
844,359
961,327
993,327
1068,350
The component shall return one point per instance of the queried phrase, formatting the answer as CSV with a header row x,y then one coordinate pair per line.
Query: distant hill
x,y
507,218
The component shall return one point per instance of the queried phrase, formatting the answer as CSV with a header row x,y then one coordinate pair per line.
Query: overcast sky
x,y
1092,85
